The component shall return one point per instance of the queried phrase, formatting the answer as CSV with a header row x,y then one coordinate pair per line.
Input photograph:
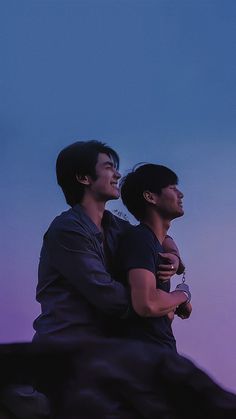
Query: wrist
x,y
185,289
188,298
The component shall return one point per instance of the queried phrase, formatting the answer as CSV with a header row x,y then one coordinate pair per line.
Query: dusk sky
x,y
156,80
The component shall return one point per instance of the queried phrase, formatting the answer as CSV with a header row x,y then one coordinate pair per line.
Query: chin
x,y
114,196
177,214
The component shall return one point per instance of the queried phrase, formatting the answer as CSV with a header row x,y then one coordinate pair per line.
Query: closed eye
x,y
109,165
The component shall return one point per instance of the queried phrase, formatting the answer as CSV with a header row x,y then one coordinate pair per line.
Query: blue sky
x,y
156,80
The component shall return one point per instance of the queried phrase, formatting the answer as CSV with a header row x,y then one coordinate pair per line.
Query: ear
x,y
150,197
85,180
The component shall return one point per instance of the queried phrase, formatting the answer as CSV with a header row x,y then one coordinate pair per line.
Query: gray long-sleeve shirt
x,y
78,296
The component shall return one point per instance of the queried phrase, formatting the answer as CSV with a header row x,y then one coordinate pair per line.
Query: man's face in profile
x,y
170,203
106,186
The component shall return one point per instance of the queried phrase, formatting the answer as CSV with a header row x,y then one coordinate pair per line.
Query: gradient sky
x,y
154,79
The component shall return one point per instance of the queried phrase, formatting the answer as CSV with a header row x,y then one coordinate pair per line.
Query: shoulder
x,y
67,219
141,234
68,232
138,249
70,223
118,224
139,240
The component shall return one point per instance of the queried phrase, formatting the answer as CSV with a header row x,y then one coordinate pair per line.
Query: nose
x,y
117,174
181,195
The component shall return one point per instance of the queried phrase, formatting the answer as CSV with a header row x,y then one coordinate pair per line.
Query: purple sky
x,y
156,80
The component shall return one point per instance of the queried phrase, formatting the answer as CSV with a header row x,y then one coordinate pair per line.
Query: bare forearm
x,y
165,302
158,304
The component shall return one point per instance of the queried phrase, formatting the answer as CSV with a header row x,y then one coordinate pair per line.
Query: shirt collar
x,y
86,220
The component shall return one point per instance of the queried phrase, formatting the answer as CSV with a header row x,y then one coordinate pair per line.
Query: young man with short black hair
x,y
150,193
78,296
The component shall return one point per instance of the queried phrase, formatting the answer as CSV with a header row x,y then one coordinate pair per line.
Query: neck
x,y
158,225
94,210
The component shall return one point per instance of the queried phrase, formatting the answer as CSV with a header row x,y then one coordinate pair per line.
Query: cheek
x,y
174,198
105,179
171,201
169,198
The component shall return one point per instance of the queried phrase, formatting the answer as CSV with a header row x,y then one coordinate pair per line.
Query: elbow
x,y
147,310
142,311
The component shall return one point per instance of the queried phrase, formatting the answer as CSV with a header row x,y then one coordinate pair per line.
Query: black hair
x,y
147,177
80,159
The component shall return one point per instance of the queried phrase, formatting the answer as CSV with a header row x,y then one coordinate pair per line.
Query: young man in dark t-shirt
x,y
151,195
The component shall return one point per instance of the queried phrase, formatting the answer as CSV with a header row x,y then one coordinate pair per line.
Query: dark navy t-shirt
x,y
139,249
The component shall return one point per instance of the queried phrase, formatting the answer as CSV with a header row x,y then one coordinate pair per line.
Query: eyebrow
x,y
108,162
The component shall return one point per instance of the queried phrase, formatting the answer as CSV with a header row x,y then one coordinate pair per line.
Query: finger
x,y
163,280
165,254
170,267
165,274
182,316
165,267
170,256
164,277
